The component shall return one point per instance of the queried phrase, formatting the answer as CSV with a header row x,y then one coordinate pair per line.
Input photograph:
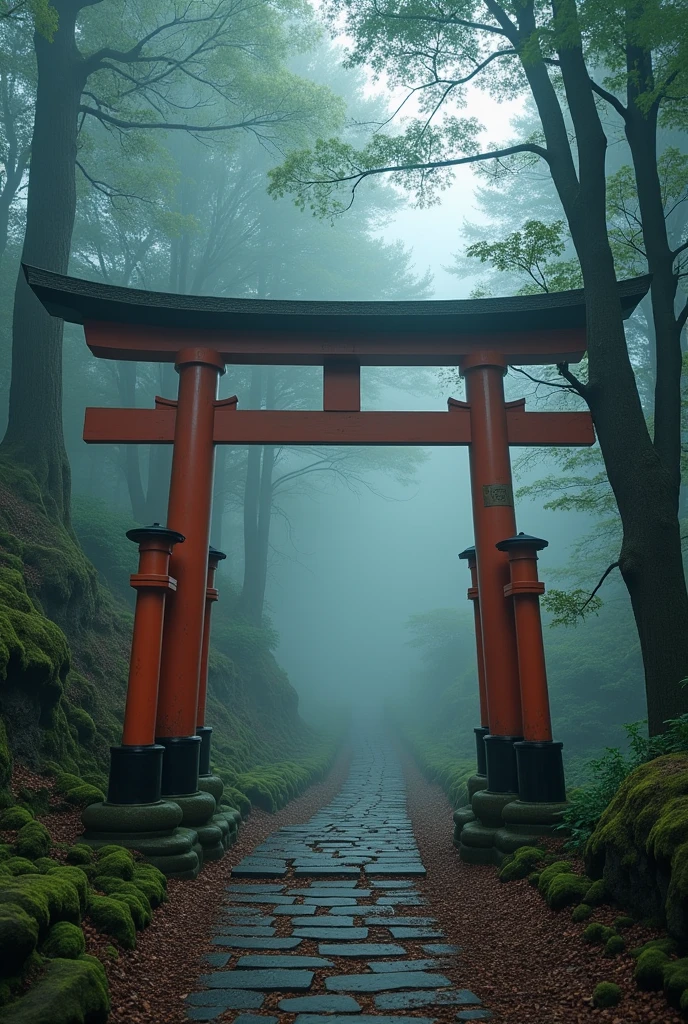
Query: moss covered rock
x,y
33,841
64,940
559,867
80,854
623,921
649,970
667,946
44,864
614,945
20,866
565,889
596,894
640,845
113,918
521,863
140,910
118,864
18,938
675,981
597,933
15,818
76,877
581,913
606,994
68,992
151,881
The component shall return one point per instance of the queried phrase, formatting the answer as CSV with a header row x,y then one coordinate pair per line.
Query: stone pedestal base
x,y
152,829
198,810
476,839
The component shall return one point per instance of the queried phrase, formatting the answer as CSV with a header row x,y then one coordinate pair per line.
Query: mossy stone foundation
x,y
464,815
155,830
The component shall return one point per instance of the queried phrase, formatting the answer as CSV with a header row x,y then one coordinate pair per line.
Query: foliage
x,y
606,993
607,772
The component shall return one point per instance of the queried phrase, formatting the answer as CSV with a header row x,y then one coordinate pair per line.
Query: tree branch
x,y
549,383
575,383
610,568
118,122
610,98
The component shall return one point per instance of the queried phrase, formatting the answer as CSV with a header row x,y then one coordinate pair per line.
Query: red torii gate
x,y
200,336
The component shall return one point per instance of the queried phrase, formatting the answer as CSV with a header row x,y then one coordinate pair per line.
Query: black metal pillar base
x,y
180,764
500,756
480,735
135,774
205,732
540,771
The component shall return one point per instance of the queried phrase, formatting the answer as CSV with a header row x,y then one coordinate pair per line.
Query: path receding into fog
x,y
322,921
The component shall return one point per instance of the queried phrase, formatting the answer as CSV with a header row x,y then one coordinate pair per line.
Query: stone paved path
x,y
321,923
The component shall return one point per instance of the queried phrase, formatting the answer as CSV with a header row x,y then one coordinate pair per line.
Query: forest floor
x,y
524,961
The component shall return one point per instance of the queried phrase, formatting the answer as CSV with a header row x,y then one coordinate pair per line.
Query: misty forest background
x,y
342,592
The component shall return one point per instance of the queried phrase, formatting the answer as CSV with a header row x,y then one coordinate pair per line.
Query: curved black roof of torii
x,y
79,301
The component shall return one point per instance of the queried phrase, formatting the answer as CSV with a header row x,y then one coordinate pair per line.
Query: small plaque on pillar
x,y
497,494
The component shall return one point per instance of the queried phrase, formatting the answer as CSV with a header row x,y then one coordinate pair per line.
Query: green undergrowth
x,y
440,764
43,905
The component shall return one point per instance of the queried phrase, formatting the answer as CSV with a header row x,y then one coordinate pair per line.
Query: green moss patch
x,y
606,994
33,841
18,938
64,940
113,918
675,981
581,913
68,992
649,970
642,839
521,863
14,818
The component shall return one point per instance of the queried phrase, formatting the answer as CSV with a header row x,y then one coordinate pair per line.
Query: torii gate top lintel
x,y
128,323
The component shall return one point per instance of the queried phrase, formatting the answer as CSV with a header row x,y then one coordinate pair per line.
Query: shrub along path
x,y
325,920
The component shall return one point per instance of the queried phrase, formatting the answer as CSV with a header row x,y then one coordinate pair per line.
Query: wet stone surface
x,y
270,931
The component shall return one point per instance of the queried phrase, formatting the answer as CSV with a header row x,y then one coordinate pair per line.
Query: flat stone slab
x,y
227,999
336,885
255,943
285,901
364,1018
330,901
415,933
246,930
320,1004
216,959
255,888
324,921
474,1015
204,1012
303,872
266,961
362,950
341,934
299,909
315,892
385,982
264,981
410,1000
395,966
440,949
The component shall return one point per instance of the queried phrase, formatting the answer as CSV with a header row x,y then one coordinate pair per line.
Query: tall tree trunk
x,y
643,475
34,435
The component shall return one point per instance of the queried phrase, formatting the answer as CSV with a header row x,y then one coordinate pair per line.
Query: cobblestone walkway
x,y
342,930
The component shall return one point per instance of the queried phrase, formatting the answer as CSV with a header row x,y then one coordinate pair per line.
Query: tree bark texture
x,y
34,436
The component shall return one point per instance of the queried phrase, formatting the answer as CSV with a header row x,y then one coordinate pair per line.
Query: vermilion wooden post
x,y
189,509
540,768
136,766
480,733
493,514
211,595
